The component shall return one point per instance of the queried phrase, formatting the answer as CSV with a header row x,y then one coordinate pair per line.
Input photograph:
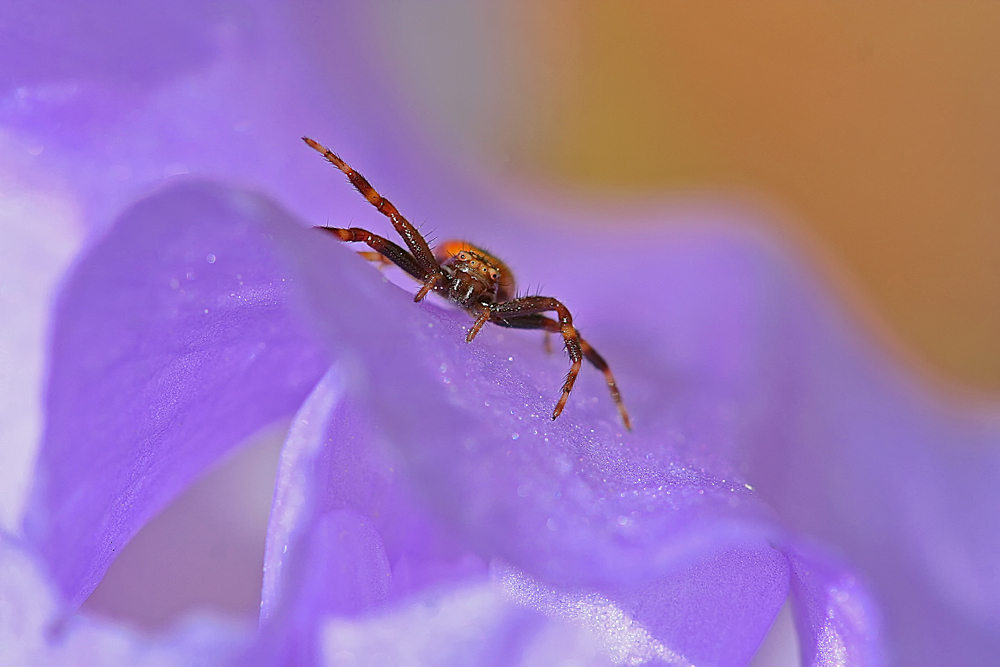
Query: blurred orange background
x,y
873,126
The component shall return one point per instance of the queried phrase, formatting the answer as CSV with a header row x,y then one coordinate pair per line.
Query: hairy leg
x,y
533,305
547,324
417,244
382,246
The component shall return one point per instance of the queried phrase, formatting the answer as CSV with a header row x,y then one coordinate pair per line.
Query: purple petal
x,y
735,365
713,611
847,445
717,611
576,502
473,428
338,567
217,90
138,44
836,618
172,344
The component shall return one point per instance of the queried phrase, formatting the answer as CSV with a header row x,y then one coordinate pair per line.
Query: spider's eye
x,y
494,275
462,256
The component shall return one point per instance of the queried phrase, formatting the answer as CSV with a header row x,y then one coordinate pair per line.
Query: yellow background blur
x,y
876,125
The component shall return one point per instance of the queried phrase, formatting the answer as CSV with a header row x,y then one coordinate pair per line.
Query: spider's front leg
x,y
421,252
382,246
392,253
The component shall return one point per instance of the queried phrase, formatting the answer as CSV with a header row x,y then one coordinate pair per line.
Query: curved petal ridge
x,y
837,620
715,611
295,492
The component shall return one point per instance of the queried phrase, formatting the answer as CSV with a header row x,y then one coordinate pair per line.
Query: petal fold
x,y
172,343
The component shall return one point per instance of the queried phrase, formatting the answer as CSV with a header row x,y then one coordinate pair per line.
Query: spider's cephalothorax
x,y
474,276
473,279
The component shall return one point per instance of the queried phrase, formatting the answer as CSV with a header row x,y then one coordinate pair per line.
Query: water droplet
x,y
210,258
551,523
515,436
622,520
443,368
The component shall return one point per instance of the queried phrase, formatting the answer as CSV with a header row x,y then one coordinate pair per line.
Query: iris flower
x,y
427,510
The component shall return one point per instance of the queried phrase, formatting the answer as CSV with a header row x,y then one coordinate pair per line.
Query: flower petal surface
x,y
172,344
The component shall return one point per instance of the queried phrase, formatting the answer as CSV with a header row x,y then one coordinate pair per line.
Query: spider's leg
x,y
481,319
549,325
598,361
418,245
384,247
373,256
533,305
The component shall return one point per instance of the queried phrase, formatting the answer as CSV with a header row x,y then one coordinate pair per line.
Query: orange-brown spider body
x,y
474,276
473,279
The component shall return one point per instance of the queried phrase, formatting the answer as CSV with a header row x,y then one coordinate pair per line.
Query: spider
x,y
471,278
